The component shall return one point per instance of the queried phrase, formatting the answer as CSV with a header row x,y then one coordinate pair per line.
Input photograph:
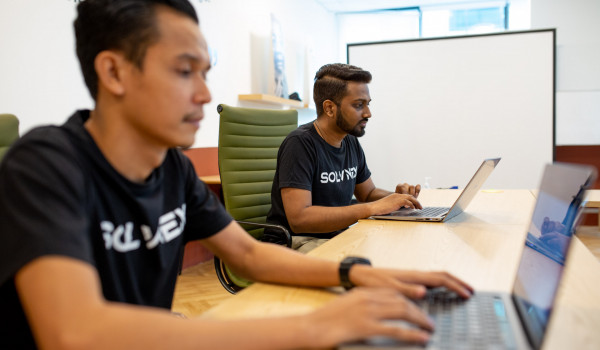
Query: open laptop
x,y
519,320
439,214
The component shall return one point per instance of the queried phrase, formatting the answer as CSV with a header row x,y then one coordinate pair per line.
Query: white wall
x,y
577,24
40,80
240,32
376,26
41,83
40,77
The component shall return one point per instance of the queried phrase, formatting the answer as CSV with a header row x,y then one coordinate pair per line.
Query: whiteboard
x,y
442,105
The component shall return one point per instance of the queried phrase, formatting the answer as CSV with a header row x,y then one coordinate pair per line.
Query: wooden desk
x,y
481,246
214,183
593,201
211,179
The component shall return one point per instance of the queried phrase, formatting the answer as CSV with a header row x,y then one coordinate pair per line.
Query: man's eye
x,y
184,72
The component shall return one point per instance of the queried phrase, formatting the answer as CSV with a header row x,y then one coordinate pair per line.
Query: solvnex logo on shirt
x,y
120,238
338,176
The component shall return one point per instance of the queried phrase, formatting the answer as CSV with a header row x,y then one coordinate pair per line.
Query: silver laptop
x,y
439,214
518,320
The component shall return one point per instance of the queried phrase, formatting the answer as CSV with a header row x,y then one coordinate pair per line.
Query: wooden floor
x,y
198,288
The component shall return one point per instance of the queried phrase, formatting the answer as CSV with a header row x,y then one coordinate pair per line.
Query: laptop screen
x,y
548,238
474,185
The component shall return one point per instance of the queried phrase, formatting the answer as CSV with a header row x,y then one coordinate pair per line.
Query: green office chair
x,y
9,132
249,140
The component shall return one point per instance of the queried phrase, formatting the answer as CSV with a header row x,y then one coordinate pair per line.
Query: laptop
x,y
517,320
440,214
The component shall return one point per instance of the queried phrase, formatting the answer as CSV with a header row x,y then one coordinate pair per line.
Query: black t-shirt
x,y
60,196
306,161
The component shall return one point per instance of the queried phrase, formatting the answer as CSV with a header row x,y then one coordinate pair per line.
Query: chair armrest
x,y
284,237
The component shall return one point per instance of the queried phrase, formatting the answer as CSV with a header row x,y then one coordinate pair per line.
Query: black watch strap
x,y
345,266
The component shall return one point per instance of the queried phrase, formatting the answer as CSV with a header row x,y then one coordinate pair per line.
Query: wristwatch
x,y
345,266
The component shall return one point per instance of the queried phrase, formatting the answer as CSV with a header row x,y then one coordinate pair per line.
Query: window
x,y
483,17
446,18
467,20
386,25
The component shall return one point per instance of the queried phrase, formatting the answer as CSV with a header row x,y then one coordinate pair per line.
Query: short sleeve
x,y
42,188
297,161
205,214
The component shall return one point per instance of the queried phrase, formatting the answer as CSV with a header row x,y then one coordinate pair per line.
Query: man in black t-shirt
x,y
94,214
321,165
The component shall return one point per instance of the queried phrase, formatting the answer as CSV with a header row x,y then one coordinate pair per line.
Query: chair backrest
x,y
249,140
9,132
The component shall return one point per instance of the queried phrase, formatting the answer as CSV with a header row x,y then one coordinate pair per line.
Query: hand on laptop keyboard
x,y
392,203
441,294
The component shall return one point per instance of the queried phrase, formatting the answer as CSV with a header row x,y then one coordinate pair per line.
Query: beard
x,y
355,130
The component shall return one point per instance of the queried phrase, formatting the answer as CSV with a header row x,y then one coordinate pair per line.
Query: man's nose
x,y
202,92
367,113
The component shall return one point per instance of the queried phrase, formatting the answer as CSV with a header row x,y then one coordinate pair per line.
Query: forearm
x,y
292,267
376,194
268,262
63,302
295,332
163,332
319,219
121,326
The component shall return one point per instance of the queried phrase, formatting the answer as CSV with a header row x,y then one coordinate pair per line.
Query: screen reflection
x,y
557,209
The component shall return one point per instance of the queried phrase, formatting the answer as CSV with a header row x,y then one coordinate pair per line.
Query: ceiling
x,y
372,5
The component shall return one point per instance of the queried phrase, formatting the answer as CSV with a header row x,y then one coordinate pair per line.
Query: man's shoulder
x,y
303,134
43,137
53,134
51,143
303,130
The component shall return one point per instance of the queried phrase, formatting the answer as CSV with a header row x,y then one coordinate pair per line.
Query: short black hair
x,y
126,25
331,81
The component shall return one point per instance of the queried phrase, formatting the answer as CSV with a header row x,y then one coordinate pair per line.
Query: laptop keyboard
x,y
427,211
477,323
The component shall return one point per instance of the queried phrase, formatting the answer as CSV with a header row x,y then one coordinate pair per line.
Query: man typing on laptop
x,y
95,213
321,164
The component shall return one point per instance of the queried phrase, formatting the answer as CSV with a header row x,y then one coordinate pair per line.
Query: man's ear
x,y
329,107
110,68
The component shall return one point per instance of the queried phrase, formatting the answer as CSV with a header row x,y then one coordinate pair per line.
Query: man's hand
x,y
555,236
408,189
361,313
549,226
394,202
413,284
556,242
